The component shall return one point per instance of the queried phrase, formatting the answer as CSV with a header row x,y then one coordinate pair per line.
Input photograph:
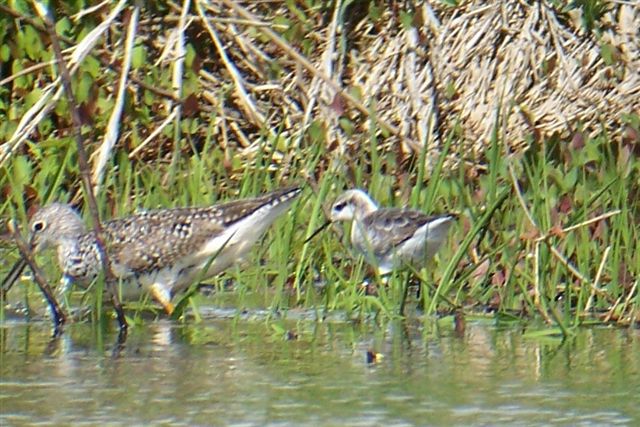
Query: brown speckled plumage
x,y
163,250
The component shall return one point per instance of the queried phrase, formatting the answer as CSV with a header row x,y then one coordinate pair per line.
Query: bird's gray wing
x,y
388,228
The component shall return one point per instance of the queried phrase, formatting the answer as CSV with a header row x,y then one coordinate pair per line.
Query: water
x,y
244,373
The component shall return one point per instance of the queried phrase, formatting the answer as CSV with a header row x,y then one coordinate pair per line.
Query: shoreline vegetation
x,y
522,118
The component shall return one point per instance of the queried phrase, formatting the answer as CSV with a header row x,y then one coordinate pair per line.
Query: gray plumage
x,y
164,250
391,237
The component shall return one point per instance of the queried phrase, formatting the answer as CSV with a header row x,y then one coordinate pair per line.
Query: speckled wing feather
x,y
388,228
154,239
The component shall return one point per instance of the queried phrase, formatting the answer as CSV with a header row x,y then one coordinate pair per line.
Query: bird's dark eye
x,y
38,226
339,206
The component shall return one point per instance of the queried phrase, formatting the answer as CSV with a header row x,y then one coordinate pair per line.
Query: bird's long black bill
x,y
315,233
12,277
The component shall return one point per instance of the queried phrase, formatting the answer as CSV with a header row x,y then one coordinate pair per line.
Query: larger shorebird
x,y
390,237
160,251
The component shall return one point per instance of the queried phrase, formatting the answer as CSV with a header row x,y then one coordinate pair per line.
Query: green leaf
x,y
24,81
189,56
278,329
375,12
92,66
281,24
5,53
282,143
347,126
570,179
7,128
356,92
316,132
21,171
607,52
543,333
83,90
45,127
138,56
406,19
32,43
63,27
105,104
450,90
32,97
21,6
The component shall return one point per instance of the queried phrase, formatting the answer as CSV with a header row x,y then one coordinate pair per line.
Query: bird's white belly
x,y
416,250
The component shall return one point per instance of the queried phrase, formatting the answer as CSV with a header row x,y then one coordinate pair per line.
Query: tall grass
x,y
555,265
547,235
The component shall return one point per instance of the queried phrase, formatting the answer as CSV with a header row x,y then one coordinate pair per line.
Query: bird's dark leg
x,y
405,294
410,278
117,305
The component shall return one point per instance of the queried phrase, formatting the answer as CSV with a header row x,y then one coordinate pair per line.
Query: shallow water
x,y
240,372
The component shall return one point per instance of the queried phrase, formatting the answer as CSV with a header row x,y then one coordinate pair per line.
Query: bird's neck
x,y
66,247
364,209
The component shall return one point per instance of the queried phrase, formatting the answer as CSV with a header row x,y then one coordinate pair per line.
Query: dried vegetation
x,y
309,72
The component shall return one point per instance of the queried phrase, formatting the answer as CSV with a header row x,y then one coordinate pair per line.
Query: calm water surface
x,y
240,372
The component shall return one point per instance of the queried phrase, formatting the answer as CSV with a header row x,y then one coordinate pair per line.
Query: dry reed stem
x,y
611,311
250,109
178,54
89,10
113,127
596,281
582,224
167,120
627,301
304,62
27,71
